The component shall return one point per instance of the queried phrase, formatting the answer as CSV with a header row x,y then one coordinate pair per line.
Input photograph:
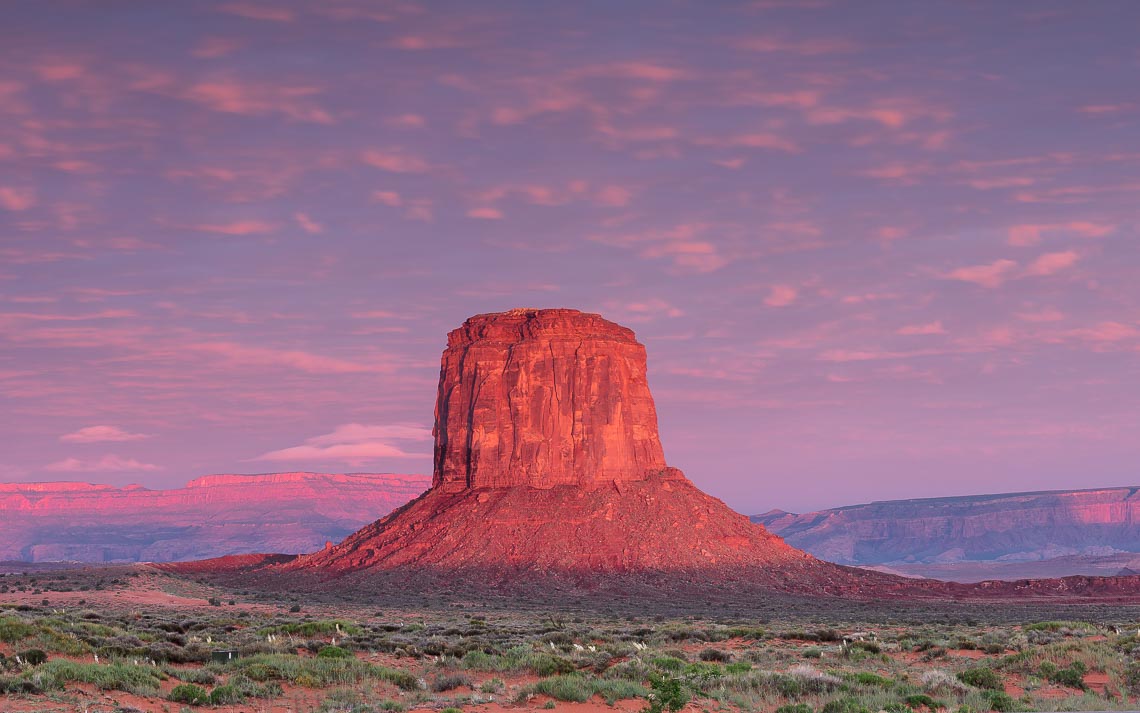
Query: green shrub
x,y
795,708
715,656
981,677
1001,702
546,665
13,629
668,693
1072,677
227,694
921,700
33,657
334,652
449,682
865,678
189,693
844,705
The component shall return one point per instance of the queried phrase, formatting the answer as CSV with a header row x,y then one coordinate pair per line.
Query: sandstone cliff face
x,y
983,528
543,398
212,516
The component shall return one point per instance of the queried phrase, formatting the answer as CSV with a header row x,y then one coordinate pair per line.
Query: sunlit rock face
x,y
543,398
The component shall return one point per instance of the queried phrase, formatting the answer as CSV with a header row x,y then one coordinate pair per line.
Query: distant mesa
x,y
211,516
975,537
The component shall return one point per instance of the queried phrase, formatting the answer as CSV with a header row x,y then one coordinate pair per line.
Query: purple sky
x,y
875,249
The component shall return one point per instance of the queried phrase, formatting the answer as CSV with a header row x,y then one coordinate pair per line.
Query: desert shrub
x,y
795,708
870,647
13,629
547,665
578,688
715,655
140,680
668,663
16,686
334,652
1001,702
449,682
189,693
493,685
33,657
865,678
317,672
813,653
846,704
1072,677
668,693
981,677
921,700
938,681
191,675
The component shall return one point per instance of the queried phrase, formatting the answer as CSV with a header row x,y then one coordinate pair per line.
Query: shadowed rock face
x,y
543,398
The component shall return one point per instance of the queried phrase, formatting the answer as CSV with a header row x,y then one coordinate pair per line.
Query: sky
x,y
874,249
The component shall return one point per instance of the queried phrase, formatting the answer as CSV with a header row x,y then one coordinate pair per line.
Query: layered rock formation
x,y
1058,530
211,516
548,458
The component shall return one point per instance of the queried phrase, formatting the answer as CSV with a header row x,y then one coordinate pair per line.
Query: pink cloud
x,y
754,140
17,199
353,443
1105,332
255,11
614,196
1030,234
485,213
986,184
214,47
101,434
991,275
407,121
107,464
806,46
309,225
233,97
238,227
781,296
922,329
242,355
59,71
1047,314
395,161
416,43
643,311
1052,263
645,71
388,198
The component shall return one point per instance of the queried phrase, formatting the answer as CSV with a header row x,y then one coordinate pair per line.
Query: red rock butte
x,y
547,457
543,398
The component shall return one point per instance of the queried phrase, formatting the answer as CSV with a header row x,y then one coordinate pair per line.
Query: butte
x,y
549,468
547,458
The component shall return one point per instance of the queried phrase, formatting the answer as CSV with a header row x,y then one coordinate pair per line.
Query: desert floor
x,y
132,638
